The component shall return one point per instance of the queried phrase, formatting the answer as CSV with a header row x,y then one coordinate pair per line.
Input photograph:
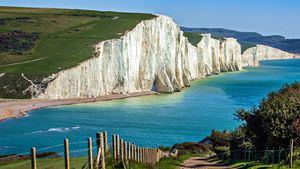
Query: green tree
x,y
274,122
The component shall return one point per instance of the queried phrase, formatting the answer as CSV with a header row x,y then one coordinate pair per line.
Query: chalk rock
x,y
252,56
153,56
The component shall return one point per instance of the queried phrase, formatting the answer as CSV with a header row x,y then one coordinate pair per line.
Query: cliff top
x,y
250,39
44,41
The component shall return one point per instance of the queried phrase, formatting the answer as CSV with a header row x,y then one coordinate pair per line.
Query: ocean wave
x,y
7,147
58,129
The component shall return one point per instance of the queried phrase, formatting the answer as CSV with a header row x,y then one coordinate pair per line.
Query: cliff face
x,y
252,56
153,56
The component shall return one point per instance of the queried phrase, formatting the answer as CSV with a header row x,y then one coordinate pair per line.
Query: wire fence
x,y
81,155
267,156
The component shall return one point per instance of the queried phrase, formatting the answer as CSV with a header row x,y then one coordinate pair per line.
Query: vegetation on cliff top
x,y
250,39
67,37
194,38
39,41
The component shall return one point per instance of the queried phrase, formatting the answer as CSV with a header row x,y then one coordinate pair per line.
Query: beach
x,y
15,108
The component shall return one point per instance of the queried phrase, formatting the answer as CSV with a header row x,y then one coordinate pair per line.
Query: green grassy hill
x,y
39,42
194,38
65,37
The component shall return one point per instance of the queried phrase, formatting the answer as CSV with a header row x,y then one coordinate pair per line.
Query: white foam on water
x,y
58,129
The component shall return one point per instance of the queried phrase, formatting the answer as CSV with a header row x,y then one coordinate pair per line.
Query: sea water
x,y
163,119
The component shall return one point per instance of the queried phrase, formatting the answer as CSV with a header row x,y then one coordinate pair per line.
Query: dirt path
x,y
18,63
202,163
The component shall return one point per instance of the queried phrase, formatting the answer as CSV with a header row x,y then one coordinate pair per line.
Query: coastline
x,y
16,108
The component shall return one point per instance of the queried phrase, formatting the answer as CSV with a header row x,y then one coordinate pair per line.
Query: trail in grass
x,y
203,163
18,63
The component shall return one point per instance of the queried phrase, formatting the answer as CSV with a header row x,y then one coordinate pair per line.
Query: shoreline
x,y
17,108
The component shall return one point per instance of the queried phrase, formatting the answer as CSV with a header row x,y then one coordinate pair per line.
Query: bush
x,y
16,87
191,147
220,142
17,41
274,122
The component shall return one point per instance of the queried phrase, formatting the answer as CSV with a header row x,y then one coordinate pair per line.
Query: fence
x,y
267,156
90,154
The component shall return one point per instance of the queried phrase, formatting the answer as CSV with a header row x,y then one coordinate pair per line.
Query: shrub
x,y
17,41
191,147
274,122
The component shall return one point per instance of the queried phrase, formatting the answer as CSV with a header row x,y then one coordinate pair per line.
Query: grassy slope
x,y
66,36
194,38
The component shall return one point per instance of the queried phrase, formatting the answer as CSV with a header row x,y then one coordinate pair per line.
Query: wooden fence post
x,y
122,149
129,151
90,153
67,157
291,152
98,158
98,140
147,155
105,141
143,152
33,158
114,145
139,154
118,147
132,152
125,150
157,155
135,153
103,151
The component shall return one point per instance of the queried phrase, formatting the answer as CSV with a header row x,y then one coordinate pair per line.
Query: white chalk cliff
x,y
153,56
252,56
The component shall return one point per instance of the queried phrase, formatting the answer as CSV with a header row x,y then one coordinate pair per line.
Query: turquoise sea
x,y
150,121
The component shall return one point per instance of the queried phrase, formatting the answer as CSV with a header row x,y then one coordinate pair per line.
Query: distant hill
x,y
248,39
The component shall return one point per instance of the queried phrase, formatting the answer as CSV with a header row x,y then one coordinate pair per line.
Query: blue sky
x,y
264,16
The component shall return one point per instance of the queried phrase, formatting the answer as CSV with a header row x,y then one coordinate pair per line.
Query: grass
x,y
259,165
194,38
53,163
79,162
174,163
67,36
165,163
246,45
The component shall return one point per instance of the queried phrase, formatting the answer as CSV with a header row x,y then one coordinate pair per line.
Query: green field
x,y
39,42
67,37
194,38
